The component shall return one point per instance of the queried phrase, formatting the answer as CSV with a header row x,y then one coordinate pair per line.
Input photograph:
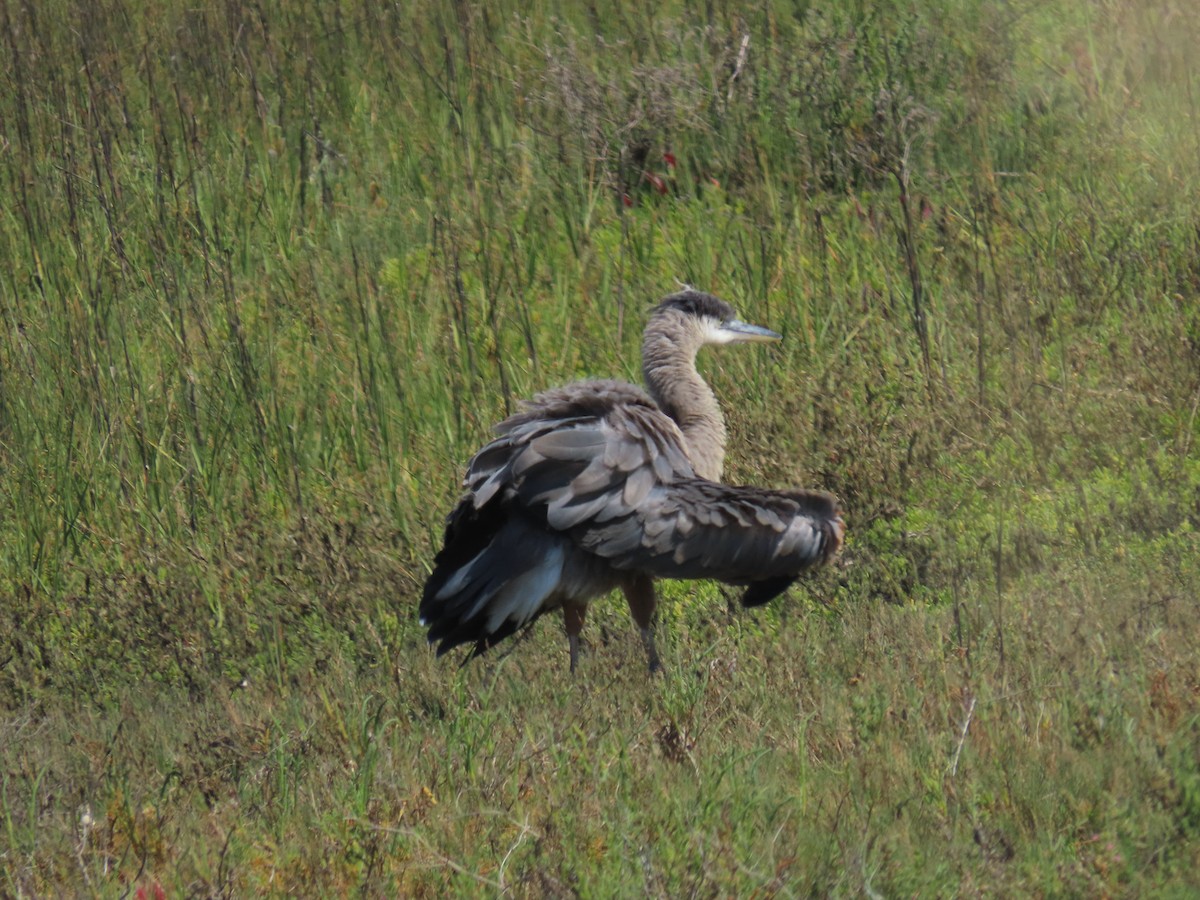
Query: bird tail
x,y
486,583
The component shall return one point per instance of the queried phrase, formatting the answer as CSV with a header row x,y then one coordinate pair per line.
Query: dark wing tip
x,y
818,504
765,591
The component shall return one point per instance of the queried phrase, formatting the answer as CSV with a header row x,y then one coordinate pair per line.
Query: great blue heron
x,y
598,485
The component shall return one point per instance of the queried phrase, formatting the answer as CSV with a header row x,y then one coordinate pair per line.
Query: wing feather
x,y
599,464
578,442
637,486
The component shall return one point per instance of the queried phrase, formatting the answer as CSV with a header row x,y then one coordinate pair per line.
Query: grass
x,y
270,275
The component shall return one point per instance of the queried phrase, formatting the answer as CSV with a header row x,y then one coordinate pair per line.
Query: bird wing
x,y
589,452
694,528
599,463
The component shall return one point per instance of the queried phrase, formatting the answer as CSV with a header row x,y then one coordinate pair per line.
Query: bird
x,y
601,485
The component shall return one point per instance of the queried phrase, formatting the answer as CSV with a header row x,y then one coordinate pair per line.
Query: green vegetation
x,y
271,271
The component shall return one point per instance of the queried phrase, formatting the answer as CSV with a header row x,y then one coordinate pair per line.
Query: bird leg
x,y
573,615
639,592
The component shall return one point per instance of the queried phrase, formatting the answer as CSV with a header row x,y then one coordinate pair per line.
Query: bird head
x,y
705,319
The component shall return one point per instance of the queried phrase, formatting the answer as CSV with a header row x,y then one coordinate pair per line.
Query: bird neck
x,y
669,368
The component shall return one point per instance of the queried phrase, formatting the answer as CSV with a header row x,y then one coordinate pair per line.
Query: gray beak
x,y
744,331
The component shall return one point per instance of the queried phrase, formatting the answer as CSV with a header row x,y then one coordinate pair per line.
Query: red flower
x,y
656,182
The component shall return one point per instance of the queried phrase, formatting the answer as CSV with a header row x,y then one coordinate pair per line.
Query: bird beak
x,y
739,331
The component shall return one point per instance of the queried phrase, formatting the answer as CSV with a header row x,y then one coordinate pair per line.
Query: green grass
x,y
270,274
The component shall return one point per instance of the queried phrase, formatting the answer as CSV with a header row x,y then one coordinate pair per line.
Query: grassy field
x,y
271,271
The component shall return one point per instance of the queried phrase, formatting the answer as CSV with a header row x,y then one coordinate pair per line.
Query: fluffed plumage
x,y
594,486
